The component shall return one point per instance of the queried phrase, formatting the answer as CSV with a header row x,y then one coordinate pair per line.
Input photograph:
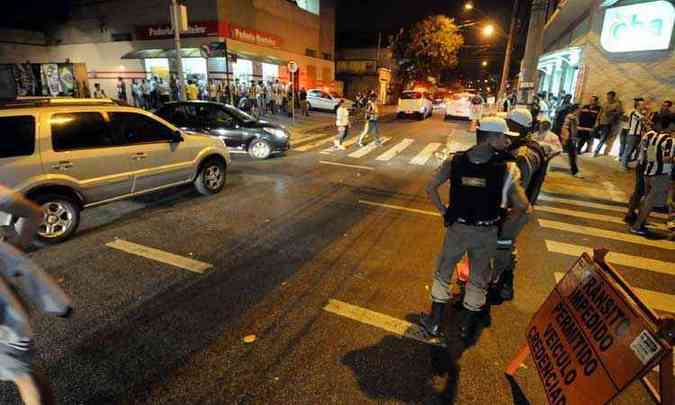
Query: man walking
x,y
16,270
121,90
588,116
342,123
657,151
371,125
568,136
608,123
634,129
482,184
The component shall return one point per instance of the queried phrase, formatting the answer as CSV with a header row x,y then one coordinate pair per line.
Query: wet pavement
x,y
289,239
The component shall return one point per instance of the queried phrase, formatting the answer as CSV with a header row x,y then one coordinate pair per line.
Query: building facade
x,y
362,70
591,47
133,40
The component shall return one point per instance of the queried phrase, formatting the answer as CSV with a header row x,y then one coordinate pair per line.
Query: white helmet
x,y
521,116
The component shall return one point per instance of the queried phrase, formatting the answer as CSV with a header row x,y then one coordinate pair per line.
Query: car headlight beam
x,y
276,132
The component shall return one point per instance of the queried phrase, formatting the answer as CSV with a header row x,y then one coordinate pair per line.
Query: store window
x,y
157,67
243,70
270,72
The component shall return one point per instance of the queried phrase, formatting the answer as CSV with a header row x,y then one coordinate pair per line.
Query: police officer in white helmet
x,y
482,184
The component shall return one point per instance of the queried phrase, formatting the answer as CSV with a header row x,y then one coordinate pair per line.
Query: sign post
x,y
592,337
293,68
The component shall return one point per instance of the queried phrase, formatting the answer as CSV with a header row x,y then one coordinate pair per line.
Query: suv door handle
x,y
139,156
62,165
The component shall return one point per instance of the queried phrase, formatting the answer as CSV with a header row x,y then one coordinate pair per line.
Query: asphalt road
x,y
286,238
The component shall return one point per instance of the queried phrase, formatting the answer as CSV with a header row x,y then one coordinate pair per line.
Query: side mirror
x,y
177,137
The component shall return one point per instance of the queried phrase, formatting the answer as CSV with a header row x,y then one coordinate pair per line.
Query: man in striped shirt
x,y
635,128
657,154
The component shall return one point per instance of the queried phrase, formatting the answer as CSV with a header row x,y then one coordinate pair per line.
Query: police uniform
x,y
479,193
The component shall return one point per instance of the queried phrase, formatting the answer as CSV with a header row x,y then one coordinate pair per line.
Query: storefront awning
x,y
163,53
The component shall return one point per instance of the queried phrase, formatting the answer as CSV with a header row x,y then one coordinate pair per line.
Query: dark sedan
x,y
240,131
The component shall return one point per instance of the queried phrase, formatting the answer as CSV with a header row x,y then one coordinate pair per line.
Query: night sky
x,y
359,21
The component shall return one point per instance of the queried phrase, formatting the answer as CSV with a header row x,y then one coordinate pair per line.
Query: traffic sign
x,y
592,337
292,67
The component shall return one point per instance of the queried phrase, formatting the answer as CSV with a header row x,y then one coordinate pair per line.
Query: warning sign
x,y
590,340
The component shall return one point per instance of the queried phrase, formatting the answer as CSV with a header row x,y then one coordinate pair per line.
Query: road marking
x,y
655,300
159,256
361,152
385,322
588,215
602,233
587,204
325,162
313,145
396,150
347,144
643,263
308,137
579,190
399,208
614,191
428,151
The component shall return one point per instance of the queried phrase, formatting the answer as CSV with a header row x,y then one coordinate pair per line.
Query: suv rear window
x,y
411,95
17,136
82,130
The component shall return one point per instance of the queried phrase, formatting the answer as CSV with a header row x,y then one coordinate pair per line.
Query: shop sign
x,y
254,37
164,31
589,340
638,27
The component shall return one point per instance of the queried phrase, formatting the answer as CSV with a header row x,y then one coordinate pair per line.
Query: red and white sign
x,y
195,29
254,37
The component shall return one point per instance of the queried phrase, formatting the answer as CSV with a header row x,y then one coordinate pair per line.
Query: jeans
x,y
585,139
342,134
657,189
608,135
371,128
572,154
631,144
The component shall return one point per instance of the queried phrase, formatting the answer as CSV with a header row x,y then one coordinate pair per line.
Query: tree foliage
x,y
426,48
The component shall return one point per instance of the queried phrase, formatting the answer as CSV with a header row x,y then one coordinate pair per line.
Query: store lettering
x,y
254,37
168,31
636,26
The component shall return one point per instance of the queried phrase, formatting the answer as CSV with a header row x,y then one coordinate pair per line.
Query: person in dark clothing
x,y
661,119
561,113
568,136
588,116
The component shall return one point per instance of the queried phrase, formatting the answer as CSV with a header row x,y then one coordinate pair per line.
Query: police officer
x,y
482,184
16,270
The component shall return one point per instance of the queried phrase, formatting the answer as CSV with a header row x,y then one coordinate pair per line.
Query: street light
x,y
484,63
488,30
468,6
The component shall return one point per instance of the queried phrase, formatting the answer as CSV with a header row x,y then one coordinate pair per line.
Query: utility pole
x,y
178,20
506,69
535,36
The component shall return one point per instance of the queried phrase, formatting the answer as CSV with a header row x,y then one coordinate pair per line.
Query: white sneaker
x,y
578,176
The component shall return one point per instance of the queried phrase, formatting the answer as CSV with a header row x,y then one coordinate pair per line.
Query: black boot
x,y
432,323
506,292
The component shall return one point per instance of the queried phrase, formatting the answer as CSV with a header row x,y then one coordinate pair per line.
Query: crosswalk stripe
x,y
307,137
376,319
602,233
428,151
656,266
346,144
399,208
588,215
579,190
655,300
614,191
313,145
588,204
367,149
396,150
159,255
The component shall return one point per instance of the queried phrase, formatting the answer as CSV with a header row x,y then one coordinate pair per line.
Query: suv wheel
x,y
61,218
211,178
260,149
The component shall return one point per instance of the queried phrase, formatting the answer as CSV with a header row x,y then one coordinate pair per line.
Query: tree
x,y
426,48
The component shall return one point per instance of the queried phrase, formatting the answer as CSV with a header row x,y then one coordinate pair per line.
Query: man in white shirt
x,y
342,123
547,139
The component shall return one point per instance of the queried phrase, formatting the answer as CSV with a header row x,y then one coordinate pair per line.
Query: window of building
x,y
327,56
243,70
157,67
270,72
310,52
121,36
84,130
137,128
18,136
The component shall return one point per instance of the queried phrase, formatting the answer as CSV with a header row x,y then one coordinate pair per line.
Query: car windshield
x,y
411,95
240,114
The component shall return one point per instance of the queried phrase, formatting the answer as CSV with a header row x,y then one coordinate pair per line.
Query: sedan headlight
x,y
276,132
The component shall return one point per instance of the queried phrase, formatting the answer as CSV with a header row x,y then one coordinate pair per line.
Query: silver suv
x,y
69,154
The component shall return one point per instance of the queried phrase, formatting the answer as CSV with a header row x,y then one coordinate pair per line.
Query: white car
x,y
459,105
321,100
415,103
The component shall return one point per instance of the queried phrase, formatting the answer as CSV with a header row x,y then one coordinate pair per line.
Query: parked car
x,y
240,131
68,154
414,103
321,100
458,105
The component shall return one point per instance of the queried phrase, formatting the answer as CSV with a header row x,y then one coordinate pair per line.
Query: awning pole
x,y
180,83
